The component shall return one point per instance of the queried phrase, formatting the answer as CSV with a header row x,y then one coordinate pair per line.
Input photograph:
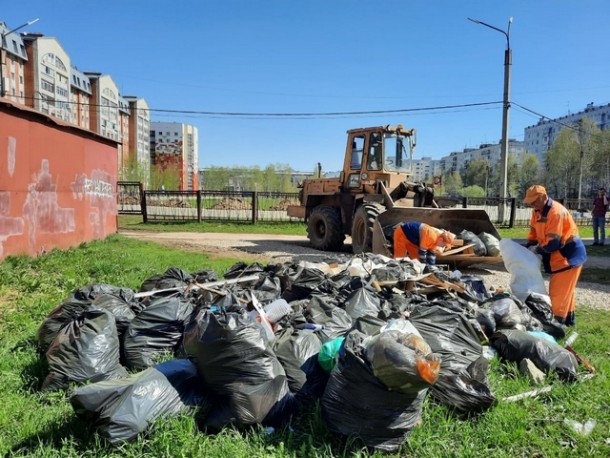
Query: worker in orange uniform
x,y
554,235
420,241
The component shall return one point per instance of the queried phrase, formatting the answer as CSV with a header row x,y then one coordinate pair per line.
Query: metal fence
x,y
253,207
227,206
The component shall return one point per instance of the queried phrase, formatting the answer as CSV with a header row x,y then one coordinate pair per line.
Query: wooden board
x,y
460,260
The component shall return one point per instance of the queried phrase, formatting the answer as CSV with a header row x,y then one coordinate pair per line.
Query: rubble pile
x,y
232,203
368,336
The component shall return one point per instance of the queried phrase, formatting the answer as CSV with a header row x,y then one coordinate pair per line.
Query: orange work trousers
x,y
403,246
562,286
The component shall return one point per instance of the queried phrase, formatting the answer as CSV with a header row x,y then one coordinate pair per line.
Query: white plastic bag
x,y
524,267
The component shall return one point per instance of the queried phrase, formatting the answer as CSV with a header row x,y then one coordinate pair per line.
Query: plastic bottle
x,y
277,310
258,314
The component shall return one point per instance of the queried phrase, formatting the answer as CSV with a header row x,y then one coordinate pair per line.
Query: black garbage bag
x,y
540,308
267,289
474,288
76,303
324,310
85,349
242,269
450,334
237,362
204,276
297,351
402,362
486,319
470,237
303,283
369,325
356,403
466,390
508,313
156,331
119,410
514,345
121,305
362,302
172,278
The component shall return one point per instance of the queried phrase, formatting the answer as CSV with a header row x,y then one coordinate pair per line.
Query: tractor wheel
x,y
324,228
362,228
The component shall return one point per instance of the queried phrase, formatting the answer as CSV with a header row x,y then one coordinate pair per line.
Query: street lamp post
x,y
2,36
508,59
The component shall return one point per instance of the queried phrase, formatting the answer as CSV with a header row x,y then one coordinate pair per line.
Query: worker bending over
x,y
554,235
421,241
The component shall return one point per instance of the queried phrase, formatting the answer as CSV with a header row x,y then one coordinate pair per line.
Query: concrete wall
x,y
57,183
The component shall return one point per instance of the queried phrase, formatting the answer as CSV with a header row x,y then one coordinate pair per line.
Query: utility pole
x,y
508,61
2,38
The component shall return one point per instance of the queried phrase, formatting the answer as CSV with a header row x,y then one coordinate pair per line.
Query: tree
x,y
476,173
453,183
134,170
528,174
473,191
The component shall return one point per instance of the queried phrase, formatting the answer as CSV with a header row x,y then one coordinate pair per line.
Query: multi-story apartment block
x,y
139,132
13,57
104,107
425,169
491,153
47,77
540,137
80,98
176,146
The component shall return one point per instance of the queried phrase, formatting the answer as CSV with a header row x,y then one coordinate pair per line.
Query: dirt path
x,y
264,247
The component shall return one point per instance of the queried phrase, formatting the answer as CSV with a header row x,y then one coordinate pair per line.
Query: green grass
x,y
134,223
39,424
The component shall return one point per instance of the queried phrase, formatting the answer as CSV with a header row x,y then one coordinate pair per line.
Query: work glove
x,y
530,243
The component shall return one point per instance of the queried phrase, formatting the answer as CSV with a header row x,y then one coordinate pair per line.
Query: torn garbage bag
x,y
121,409
514,345
402,362
450,334
357,403
236,361
85,349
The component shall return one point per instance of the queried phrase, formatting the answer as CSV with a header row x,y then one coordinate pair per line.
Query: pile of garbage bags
x,y
357,335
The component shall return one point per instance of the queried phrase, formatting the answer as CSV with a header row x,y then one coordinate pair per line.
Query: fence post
x,y
143,203
254,207
513,210
199,205
464,202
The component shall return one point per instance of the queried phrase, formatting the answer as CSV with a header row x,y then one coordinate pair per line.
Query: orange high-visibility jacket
x,y
420,235
556,233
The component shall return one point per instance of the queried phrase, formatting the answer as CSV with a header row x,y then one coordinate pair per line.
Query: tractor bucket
x,y
451,219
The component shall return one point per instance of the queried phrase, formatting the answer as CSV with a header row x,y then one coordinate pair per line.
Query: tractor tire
x,y
362,227
324,228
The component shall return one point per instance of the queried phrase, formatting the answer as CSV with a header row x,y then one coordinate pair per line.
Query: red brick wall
x,y
57,184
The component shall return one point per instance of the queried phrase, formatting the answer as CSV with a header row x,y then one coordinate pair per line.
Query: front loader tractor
x,y
373,193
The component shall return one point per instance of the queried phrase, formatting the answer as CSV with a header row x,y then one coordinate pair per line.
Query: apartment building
x,y
47,77
139,132
175,146
80,98
540,137
13,58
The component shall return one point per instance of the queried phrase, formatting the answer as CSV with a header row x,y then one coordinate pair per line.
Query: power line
x,y
297,115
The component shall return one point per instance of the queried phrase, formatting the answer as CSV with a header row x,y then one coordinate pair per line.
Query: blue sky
x,y
335,56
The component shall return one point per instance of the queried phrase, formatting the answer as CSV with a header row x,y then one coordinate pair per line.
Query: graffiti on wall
x,y
99,190
41,209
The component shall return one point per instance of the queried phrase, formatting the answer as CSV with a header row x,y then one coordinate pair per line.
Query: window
x,y
356,154
374,156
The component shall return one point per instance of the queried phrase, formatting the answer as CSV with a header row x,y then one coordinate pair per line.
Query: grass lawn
x,y
39,424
